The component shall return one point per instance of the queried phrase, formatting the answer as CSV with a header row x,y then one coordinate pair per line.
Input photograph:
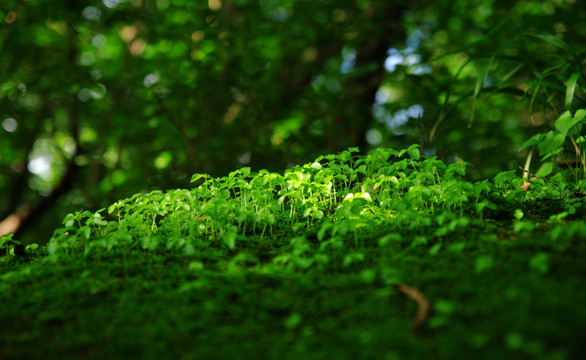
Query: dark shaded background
x,y
103,99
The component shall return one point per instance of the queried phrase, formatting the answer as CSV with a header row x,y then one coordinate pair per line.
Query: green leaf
x,y
551,154
318,215
545,169
6,239
100,221
570,88
507,76
229,239
518,214
112,208
414,153
458,168
356,207
565,122
245,171
552,142
555,41
316,166
269,218
534,140
435,249
485,204
580,115
546,84
365,196
196,177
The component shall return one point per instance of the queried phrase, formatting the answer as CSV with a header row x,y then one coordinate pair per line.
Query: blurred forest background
x,y
102,99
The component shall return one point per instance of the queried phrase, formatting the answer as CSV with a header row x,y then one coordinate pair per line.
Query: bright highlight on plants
x,y
320,205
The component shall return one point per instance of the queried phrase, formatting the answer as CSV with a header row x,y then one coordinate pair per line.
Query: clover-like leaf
x,y
565,122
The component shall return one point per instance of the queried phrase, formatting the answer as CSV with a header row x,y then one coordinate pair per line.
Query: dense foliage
x,y
387,192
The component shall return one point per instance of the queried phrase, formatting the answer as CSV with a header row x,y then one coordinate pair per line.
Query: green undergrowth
x,y
312,263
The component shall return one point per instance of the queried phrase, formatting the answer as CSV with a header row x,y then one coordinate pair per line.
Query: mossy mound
x,y
388,255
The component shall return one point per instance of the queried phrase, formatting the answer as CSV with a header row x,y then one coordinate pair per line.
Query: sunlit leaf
x,y
570,89
197,177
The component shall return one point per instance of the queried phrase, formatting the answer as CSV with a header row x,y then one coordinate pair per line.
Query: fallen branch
x,y
422,305
19,220
531,174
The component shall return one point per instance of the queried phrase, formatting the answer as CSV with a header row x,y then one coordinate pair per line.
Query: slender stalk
x,y
527,164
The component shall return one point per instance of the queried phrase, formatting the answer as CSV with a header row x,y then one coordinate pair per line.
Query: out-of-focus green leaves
x,y
140,95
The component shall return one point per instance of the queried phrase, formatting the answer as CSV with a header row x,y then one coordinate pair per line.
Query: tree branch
x,y
17,221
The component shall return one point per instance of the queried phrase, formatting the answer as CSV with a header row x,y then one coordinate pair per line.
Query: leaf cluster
x,y
551,145
322,213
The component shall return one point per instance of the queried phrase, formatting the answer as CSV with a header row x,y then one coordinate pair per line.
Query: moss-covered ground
x,y
368,281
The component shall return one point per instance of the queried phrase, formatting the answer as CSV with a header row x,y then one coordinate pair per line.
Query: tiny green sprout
x,y
518,214
7,242
365,196
358,195
197,177
316,166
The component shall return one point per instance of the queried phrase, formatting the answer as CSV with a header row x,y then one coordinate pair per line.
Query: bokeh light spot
x,y
214,5
163,160
10,17
10,124
91,13
244,158
112,3
374,137
41,166
150,80
84,95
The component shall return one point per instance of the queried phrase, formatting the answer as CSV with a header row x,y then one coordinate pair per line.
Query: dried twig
x,y
531,174
422,305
